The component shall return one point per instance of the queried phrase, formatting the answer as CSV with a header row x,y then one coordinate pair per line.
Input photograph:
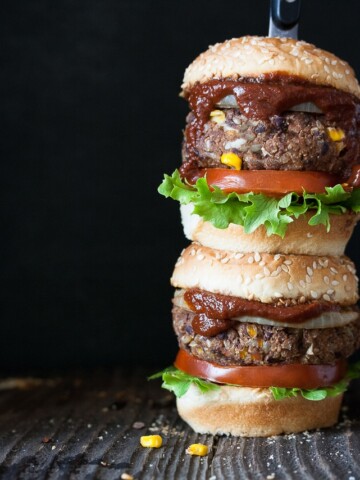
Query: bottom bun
x,y
253,412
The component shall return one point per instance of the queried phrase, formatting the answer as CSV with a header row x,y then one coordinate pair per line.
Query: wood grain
x,y
80,426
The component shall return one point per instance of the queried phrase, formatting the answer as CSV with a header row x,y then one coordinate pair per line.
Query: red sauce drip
x,y
266,96
209,327
215,307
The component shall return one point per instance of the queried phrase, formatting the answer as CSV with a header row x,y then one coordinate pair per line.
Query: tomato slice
x,y
269,182
286,376
354,179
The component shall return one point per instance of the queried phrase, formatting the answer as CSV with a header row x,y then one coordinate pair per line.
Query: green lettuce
x,y
179,383
319,393
251,210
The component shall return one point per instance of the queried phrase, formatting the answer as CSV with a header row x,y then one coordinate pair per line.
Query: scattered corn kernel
x,y
231,160
217,116
151,441
197,449
336,134
126,476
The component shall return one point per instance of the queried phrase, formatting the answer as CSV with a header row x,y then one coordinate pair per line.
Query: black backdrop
x,y
90,121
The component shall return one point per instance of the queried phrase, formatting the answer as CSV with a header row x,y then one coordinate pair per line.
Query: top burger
x,y
273,135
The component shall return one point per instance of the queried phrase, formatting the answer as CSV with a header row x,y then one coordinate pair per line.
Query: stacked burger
x,y
265,302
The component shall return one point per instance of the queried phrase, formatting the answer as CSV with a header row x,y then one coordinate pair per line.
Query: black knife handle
x,y
285,13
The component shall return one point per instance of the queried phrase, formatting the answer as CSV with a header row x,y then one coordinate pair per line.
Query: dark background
x,y
91,119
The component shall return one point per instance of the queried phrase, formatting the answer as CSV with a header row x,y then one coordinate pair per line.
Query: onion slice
x,y
308,107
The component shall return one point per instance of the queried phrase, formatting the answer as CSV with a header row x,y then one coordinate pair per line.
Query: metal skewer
x,y
284,18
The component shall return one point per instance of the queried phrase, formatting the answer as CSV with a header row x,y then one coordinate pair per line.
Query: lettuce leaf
x,y
251,210
179,382
319,393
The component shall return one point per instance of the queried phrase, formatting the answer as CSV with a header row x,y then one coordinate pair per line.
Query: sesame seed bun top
x,y
252,56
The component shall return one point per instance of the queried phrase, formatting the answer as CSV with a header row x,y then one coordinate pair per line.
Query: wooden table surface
x,y
81,426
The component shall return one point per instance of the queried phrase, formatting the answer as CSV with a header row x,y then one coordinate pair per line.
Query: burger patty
x,y
292,141
253,344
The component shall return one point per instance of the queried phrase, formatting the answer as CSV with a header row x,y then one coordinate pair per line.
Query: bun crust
x,y
252,56
253,412
300,238
266,277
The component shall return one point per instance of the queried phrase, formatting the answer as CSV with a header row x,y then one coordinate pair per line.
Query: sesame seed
x,y
277,256
200,257
266,271
284,268
334,283
225,260
290,286
258,276
350,268
326,280
192,251
333,270
324,262
330,291
257,257
314,265
308,279
309,271
288,262
217,255
251,260
314,294
345,277
302,299
262,263
278,294
326,297
309,235
238,255
302,283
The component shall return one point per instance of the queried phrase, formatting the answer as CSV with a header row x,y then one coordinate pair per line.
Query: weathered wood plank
x,y
81,426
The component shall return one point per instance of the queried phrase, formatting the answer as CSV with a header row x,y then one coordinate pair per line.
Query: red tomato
x,y
269,182
287,376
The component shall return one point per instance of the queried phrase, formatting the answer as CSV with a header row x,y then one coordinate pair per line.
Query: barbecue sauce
x,y
209,327
214,311
268,95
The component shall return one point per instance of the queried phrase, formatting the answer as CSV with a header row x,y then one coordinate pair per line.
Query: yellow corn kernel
x,y
251,330
243,354
197,449
339,146
217,116
336,134
151,441
231,160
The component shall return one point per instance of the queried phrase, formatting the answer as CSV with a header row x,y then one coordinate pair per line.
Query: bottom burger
x,y
264,340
